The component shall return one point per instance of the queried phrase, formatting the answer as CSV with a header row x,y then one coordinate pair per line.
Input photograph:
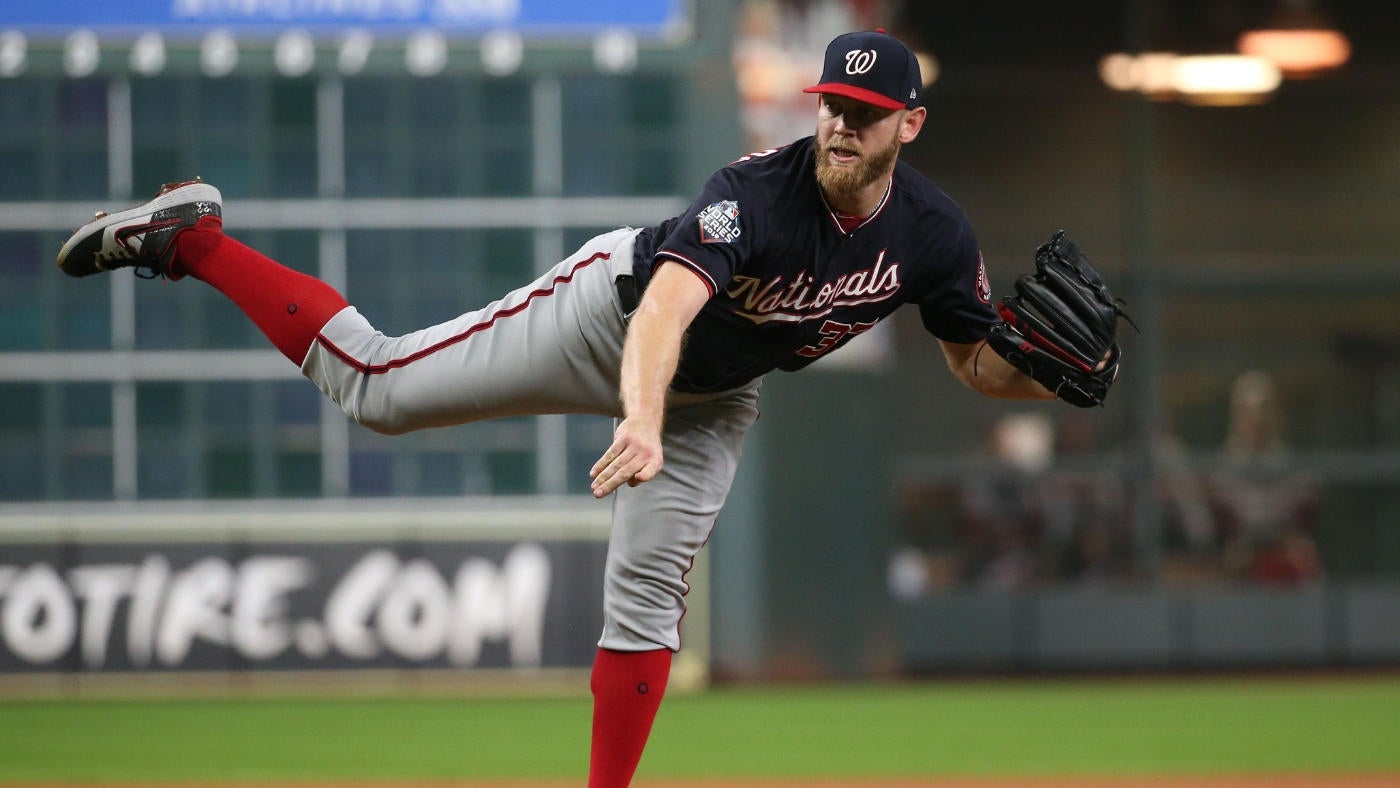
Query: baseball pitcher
x,y
783,257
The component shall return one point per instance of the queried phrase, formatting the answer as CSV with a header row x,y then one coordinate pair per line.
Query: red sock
x,y
288,306
627,690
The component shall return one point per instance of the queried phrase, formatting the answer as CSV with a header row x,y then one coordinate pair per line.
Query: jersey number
x,y
755,155
833,332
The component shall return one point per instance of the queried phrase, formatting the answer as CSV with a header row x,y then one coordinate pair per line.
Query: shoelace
x,y
142,270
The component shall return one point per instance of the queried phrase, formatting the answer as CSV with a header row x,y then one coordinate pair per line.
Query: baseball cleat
x,y
142,237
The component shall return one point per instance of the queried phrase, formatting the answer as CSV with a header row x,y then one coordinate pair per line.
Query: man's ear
x,y
911,124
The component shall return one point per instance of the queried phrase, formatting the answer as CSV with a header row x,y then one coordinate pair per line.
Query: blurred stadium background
x,y
178,510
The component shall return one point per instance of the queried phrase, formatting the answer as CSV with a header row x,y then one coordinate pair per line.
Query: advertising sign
x,y
529,17
201,606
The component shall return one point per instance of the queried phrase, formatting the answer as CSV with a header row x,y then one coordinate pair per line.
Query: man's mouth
x,y
842,155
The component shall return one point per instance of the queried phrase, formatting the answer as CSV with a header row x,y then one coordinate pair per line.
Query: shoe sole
x,y
194,192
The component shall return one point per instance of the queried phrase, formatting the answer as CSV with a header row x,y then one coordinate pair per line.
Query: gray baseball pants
x,y
555,346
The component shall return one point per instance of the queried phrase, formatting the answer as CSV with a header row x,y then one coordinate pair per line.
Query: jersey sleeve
x,y
958,307
719,231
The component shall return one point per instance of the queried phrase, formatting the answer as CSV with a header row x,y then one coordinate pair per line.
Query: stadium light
x,y
502,52
426,55
1217,80
148,54
14,53
354,52
615,51
1224,80
81,53
294,53
218,54
1298,38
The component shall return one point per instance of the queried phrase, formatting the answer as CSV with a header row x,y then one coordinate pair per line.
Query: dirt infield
x,y
1340,780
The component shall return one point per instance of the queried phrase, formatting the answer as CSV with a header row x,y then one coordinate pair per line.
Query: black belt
x,y
629,295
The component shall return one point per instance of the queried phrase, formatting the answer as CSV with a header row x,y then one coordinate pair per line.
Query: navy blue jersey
x,y
789,285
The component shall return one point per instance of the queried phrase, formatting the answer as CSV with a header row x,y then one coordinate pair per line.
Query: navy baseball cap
x,y
871,66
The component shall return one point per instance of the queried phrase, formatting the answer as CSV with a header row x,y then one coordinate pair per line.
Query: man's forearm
x,y
990,374
649,360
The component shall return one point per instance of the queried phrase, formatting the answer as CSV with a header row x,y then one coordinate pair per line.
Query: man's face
x,y
857,143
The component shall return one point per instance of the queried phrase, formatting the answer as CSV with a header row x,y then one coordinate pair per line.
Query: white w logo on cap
x,y
859,61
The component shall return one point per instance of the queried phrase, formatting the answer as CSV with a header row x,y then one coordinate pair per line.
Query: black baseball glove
x,y
1061,325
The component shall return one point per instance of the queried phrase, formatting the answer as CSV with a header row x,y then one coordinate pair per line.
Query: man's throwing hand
x,y
634,457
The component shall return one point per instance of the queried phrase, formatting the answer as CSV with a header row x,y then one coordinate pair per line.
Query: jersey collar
x,y
831,212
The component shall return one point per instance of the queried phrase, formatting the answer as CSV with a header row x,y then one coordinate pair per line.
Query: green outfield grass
x,y
1018,727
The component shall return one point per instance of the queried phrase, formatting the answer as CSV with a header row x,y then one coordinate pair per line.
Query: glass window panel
x,y
160,106
22,325
229,404
375,143
371,473
441,473
82,106
157,162
19,171
22,407
229,473
21,472
86,326
653,104
18,273
368,173
293,108
21,103
158,322
439,274
591,164
87,477
160,405
298,474
293,171
512,472
226,106
87,405
506,261
297,402
235,171
655,170
413,137
83,173
588,438
506,170
639,155
500,145
162,469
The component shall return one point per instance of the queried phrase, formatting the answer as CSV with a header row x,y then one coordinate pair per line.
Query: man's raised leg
x,y
289,307
552,346
180,232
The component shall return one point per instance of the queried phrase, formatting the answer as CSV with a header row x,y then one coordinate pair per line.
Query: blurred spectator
x,y
1040,505
1265,509
1002,510
778,52
1088,533
1190,543
982,530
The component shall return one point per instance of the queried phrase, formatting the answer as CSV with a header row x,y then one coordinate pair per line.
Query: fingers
x,y
623,464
